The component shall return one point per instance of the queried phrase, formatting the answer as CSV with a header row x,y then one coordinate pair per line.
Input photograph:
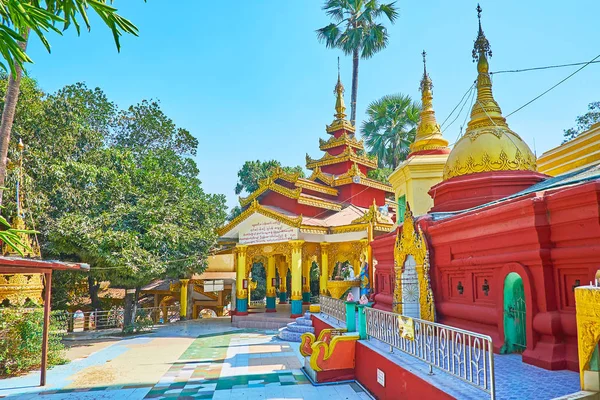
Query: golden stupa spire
x,y
340,107
340,121
488,143
429,135
485,111
31,248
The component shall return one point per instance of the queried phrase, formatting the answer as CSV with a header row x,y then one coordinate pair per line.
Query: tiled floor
x,y
226,364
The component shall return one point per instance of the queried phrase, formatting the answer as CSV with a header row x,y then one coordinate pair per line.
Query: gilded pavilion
x,y
289,222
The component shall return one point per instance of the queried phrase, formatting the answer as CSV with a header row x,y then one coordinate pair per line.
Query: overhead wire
x,y
554,86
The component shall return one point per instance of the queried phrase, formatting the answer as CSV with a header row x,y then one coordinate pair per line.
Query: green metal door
x,y
515,324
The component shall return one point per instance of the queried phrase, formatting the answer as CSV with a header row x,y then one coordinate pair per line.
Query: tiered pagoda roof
x,y
337,197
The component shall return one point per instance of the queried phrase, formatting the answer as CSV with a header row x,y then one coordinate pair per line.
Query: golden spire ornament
x,y
429,135
31,248
488,143
340,121
340,107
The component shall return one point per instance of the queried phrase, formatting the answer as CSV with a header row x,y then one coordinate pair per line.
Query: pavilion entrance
x,y
515,323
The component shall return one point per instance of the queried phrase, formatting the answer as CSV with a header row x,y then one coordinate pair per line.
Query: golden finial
x,y
429,135
488,143
482,45
340,107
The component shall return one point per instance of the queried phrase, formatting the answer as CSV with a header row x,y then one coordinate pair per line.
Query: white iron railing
x,y
466,355
335,308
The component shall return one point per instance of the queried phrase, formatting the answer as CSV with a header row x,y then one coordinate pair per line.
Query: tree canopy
x,y
391,128
356,31
113,188
584,122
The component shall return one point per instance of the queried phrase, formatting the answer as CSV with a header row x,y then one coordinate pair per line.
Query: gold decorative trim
x,y
279,173
318,174
410,241
256,207
314,229
309,201
587,300
316,187
269,184
344,139
18,288
487,163
347,155
349,228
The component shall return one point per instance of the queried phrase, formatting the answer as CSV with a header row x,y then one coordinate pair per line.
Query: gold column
x,y
183,298
240,272
283,268
324,269
296,269
270,276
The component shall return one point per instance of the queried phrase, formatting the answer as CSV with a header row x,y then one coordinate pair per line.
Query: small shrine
x,y
497,247
327,219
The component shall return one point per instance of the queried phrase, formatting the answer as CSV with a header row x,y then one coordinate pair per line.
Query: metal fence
x,y
107,319
335,308
65,322
462,354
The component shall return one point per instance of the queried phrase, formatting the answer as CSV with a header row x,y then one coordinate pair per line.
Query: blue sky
x,y
250,80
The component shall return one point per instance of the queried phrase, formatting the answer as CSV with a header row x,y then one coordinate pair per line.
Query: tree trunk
x,y
8,114
354,87
93,288
128,312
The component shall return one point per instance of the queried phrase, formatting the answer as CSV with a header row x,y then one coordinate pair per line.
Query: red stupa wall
x,y
551,239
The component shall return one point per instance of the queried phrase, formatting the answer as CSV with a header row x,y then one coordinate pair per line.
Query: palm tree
x,y
391,128
19,18
357,32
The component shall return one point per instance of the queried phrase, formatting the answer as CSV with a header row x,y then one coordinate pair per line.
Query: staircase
x,y
294,330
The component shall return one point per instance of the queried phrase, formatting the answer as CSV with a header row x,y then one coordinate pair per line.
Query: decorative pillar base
x,y
351,316
296,309
282,298
242,307
271,304
306,298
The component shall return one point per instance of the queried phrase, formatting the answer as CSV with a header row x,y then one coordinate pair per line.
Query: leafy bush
x,y
21,340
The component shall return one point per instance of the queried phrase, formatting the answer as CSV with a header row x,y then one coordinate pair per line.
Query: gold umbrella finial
x,y
481,49
340,107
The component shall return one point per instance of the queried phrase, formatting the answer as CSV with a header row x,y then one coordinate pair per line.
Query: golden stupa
x,y
16,289
488,143
429,135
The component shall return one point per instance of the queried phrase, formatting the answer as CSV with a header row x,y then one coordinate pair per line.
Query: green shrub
x,y
21,340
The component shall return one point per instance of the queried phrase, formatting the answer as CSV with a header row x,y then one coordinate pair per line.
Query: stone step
x,y
295,327
304,321
286,334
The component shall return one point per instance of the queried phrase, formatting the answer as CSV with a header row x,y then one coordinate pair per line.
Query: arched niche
x,y
411,242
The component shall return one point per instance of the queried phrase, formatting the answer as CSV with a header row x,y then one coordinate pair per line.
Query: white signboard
x,y
381,377
260,229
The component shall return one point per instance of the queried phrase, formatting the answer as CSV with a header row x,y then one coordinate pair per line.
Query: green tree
x,y
391,128
380,174
357,32
584,122
100,191
19,18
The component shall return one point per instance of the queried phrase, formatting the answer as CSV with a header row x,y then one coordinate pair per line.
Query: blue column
x,y
271,304
282,297
296,307
306,297
242,306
